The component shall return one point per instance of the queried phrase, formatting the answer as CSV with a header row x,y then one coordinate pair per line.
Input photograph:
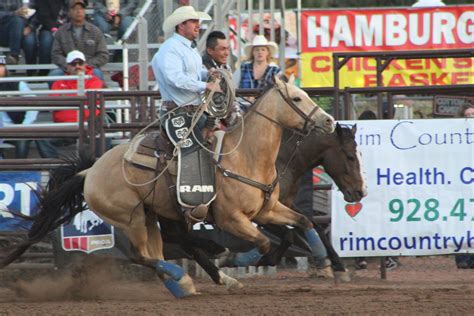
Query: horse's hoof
x,y
187,285
182,288
229,282
322,273
343,276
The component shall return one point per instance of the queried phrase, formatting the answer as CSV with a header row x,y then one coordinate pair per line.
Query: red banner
x,y
328,31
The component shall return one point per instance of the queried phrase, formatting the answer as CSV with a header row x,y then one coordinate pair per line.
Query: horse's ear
x,y
279,83
283,77
354,129
292,79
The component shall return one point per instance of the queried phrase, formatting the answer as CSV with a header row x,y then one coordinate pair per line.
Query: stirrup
x,y
200,210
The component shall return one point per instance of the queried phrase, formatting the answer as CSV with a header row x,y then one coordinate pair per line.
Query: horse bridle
x,y
307,117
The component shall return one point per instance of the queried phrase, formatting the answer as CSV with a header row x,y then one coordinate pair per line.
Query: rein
x,y
266,188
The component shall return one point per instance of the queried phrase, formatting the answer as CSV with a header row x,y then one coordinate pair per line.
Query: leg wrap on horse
x,y
317,247
172,270
175,280
175,288
249,258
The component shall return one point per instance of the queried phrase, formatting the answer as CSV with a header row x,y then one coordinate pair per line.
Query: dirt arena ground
x,y
430,285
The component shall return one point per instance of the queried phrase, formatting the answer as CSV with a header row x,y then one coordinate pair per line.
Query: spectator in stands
x,y
80,35
259,69
467,110
22,147
466,261
17,31
114,14
368,115
51,14
75,64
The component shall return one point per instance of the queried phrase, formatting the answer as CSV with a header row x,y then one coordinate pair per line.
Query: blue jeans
x,y
45,148
12,37
304,198
45,45
106,27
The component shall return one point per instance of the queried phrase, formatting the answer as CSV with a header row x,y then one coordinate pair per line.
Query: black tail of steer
x,y
59,202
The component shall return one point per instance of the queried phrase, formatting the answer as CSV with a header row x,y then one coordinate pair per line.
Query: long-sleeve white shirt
x,y
179,71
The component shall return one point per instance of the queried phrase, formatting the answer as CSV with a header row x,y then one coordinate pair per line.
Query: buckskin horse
x,y
134,209
336,152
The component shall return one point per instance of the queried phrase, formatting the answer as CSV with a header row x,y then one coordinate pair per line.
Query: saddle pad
x,y
196,179
135,156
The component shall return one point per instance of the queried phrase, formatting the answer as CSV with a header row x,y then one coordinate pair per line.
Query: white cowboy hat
x,y
260,40
182,14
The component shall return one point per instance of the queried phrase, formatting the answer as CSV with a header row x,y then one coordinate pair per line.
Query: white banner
x,y
420,178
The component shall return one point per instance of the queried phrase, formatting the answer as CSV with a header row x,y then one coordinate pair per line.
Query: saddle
x,y
191,171
152,151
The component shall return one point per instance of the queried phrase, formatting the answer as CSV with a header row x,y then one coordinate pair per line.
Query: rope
x,y
220,103
209,103
140,184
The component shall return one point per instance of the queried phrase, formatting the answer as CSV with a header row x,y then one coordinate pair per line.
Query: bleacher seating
x,y
108,69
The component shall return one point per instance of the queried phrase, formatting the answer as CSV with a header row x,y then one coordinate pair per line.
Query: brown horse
x,y
106,186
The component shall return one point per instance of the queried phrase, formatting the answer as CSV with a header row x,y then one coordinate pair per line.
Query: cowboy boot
x,y
197,214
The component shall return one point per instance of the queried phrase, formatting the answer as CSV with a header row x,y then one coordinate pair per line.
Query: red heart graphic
x,y
353,209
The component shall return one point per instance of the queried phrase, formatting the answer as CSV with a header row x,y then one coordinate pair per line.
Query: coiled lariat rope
x,y
228,90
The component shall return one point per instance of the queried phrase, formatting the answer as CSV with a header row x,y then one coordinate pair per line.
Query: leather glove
x,y
211,122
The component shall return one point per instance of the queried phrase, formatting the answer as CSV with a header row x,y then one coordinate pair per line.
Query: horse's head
x,y
343,163
300,112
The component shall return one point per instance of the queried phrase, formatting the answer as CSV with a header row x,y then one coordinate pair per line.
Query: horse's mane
x,y
346,132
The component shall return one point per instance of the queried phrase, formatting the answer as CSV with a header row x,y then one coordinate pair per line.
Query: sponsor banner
x,y
16,194
420,178
388,29
87,233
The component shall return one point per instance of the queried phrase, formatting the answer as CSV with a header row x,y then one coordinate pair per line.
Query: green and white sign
x,y
420,178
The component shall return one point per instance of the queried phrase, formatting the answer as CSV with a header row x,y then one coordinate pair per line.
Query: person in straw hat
x,y
259,69
180,75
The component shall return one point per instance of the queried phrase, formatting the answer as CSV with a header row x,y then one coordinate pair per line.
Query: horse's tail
x,y
59,202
